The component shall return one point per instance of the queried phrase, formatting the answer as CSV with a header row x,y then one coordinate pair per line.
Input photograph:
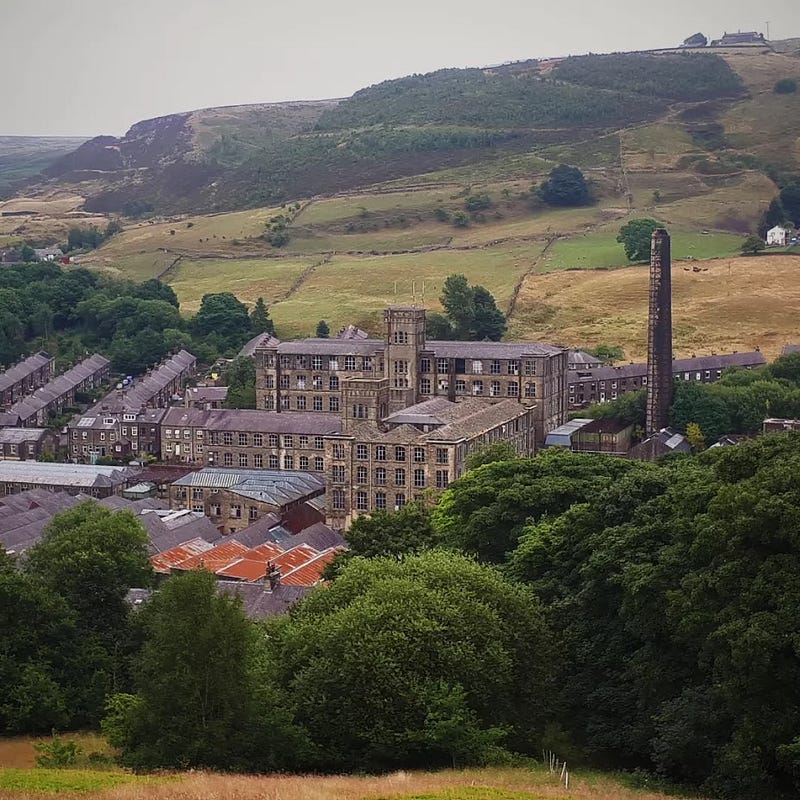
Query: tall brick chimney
x,y
659,333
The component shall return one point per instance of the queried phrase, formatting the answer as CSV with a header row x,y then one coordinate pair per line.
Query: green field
x,y
57,781
352,289
600,249
248,279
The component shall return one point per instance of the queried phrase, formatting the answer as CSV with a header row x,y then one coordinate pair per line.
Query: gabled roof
x,y
21,371
275,487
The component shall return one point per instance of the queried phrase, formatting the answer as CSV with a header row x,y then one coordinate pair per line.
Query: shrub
x,y
785,86
56,753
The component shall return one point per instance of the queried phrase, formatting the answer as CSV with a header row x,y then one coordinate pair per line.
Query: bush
x,y
460,219
785,86
57,753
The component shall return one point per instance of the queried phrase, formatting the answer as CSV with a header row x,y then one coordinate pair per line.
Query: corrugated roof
x,y
310,573
166,561
49,474
277,487
216,558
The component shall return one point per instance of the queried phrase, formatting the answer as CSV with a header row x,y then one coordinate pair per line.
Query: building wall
x,y
193,444
316,383
30,450
382,471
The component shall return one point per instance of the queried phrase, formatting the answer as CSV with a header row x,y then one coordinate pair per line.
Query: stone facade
x,y
246,439
309,375
424,447
27,444
234,499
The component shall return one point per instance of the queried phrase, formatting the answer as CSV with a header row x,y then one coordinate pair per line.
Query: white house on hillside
x,y
777,236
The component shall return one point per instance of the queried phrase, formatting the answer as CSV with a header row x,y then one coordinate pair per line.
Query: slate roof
x,y
21,371
562,435
24,516
699,363
142,391
21,435
351,332
72,475
207,394
226,419
331,347
579,359
487,350
259,601
60,386
258,342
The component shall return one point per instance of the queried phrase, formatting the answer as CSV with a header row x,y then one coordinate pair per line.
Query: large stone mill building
x,y
411,410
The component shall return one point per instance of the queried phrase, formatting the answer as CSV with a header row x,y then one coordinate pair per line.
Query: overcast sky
x,y
88,67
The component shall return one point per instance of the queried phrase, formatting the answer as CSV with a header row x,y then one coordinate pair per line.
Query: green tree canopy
x,y
423,661
224,318
260,321
323,331
565,186
202,697
752,246
471,311
240,377
42,663
635,238
484,512
92,556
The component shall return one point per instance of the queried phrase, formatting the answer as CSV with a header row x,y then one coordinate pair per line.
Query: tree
x,y
471,310
752,246
323,331
790,201
774,215
392,533
635,237
27,253
202,698
477,202
484,512
224,318
490,453
695,436
415,662
92,556
607,353
42,665
260,321
240,377
437,326
785,86
565,186
460,219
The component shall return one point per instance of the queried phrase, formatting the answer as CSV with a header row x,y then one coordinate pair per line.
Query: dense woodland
x,y
76,311
627,615
683,76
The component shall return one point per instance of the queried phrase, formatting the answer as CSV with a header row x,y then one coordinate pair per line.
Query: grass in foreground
x,y
14,782
470,784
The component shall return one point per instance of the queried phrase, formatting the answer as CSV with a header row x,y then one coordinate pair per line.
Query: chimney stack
x,y
659,330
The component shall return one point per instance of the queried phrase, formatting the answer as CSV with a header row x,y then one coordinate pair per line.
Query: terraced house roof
x,y
21,371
